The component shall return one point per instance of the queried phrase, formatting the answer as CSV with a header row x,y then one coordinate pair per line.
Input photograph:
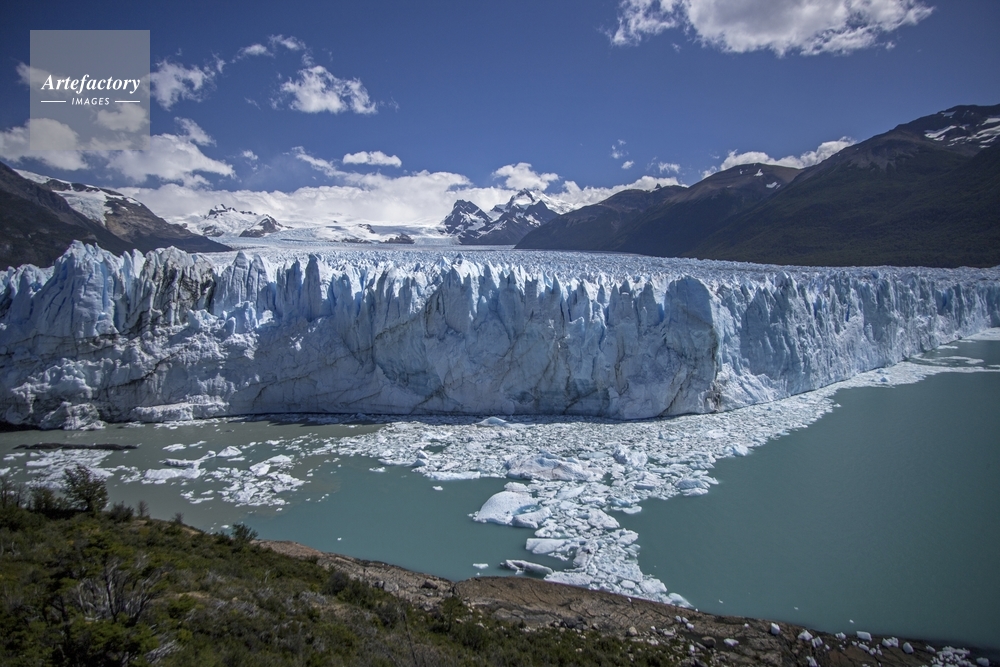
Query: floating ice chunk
x,y
526,566
280,460
182,463
864,636
634,509
602,521
229,452
4,471
480,566
570,578
379,469
570,492
548,466
493,421
652,587
543,546
163,474
516,487
531,519
629,458
740,450
260,469
501,507
174,448
438,488
679,600
448,476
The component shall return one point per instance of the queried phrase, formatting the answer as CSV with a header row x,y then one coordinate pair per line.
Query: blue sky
x,y
261,104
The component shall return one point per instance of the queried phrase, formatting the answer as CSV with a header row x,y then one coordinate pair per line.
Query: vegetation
x,y
80,586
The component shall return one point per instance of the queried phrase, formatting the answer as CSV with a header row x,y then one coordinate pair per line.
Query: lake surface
x,y
884,512
882,516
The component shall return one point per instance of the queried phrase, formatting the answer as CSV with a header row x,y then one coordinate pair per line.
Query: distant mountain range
x,y
41,216
926,193
504,224
227,221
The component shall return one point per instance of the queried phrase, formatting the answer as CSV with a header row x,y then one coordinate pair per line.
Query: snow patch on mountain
x,y
89,200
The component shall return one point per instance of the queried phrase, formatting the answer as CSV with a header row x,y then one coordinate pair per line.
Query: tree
x,y
84,489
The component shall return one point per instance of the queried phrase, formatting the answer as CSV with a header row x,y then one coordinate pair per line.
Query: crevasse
x,y
171,336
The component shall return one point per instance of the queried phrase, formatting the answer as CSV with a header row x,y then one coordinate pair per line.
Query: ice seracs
x,y
170,335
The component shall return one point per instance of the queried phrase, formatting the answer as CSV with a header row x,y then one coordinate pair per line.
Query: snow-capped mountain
x,y
41,215
504,224
227,221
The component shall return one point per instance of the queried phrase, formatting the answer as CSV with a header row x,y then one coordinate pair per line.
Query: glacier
x,y
172,336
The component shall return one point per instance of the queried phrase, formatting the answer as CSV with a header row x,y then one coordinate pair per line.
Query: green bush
x,y
84,489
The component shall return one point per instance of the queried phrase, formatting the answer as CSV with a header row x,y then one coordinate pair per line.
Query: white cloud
x,y
808,27
194,132
618,150
316,163
627,164
249,155
290,43
129,118
253,50
172,157
577,196
807,159
317,90
521,175
15,144
665,167
373,158
172,82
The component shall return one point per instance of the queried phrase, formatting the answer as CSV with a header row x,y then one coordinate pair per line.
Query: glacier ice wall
x,y
171,336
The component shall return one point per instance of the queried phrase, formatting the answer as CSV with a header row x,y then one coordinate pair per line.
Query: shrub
x,y
120,513
84,489
243,534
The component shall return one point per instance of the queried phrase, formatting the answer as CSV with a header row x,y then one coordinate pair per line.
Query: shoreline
x,y
536,604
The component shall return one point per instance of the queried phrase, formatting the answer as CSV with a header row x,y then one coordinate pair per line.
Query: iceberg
x,y
174,336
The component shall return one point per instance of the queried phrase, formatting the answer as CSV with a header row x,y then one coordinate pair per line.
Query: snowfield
x,y
170,336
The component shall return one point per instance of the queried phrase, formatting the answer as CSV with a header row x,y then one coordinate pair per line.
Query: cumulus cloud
x,y
172,82
249,156
15,144
627,164
374,158
317,90
808,27
807,159
521,175
172,157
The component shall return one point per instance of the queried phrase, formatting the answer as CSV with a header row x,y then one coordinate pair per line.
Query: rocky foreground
x,y
709,639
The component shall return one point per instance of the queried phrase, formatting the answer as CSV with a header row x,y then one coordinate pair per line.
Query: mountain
x,y
41,216
926,193
504,224
227,221
37,225
666,222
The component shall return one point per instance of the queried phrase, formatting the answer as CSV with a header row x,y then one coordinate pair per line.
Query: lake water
x,y
882,516
884,512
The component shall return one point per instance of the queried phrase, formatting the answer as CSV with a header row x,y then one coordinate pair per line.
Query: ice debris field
x,y
569,477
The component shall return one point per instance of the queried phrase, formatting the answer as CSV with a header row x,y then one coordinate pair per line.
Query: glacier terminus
x,y
170,335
